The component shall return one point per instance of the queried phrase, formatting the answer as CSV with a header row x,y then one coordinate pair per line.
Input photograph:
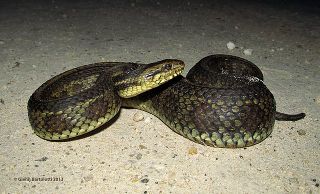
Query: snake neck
x,y
134,79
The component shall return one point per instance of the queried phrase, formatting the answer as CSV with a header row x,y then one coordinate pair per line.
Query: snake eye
x,y
167,66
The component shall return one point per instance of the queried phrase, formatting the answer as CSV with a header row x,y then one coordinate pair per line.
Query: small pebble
x,y
145,180
2,42
142,147
88,178
128,166
192,151
293,180
301,132
16,64
135,179
159,167
42,159
147,120
139,156
307,62
171,177
138,117
1,101
318,100
247,51
231,45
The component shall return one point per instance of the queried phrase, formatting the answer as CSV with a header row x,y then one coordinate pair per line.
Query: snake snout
x,y
165,69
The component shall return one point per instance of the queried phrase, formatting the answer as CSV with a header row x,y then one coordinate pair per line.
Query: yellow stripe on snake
x,y
222,102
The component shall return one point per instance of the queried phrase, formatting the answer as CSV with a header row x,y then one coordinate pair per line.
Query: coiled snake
x,y
222,102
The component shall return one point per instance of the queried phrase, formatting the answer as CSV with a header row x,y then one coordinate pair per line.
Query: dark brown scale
x,y
56,123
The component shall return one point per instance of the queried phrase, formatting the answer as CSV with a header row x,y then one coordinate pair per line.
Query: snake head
x,y
145,77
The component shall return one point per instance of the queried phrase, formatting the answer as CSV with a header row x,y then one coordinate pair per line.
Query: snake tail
x,y
287,117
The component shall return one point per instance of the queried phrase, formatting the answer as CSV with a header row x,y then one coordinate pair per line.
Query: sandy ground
x,y
38,41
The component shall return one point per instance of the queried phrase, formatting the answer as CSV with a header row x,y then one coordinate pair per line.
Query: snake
x,y
222,101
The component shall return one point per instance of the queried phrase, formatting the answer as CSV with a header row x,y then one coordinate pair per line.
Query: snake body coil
x,y
222,102
84,98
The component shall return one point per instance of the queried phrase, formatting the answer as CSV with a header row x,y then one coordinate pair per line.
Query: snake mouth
x,y
154,75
